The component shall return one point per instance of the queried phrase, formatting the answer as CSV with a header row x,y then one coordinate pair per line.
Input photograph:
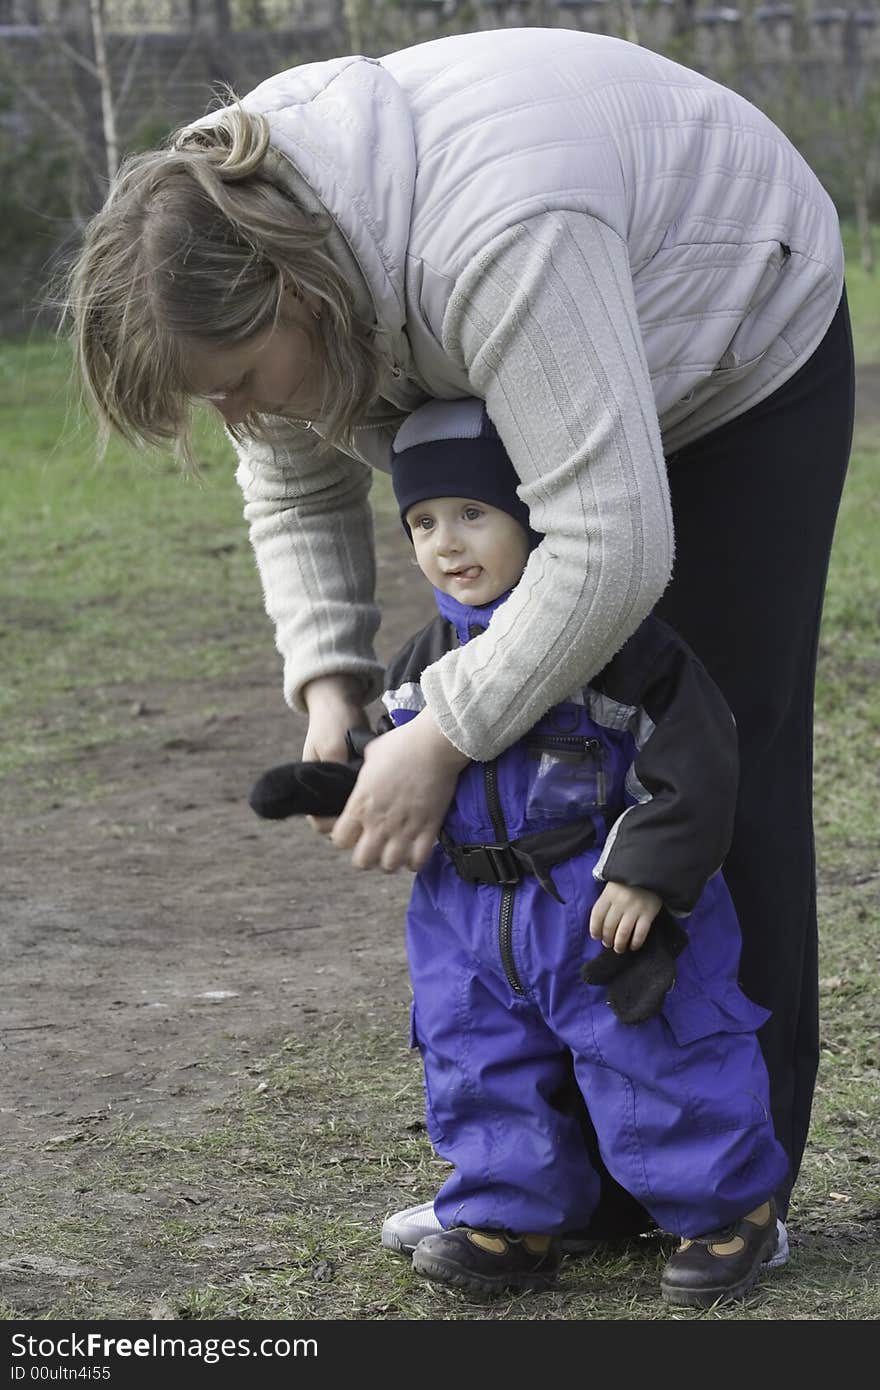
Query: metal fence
x,y
787,27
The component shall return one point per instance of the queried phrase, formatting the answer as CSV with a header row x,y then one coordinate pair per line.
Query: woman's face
x,y
275,372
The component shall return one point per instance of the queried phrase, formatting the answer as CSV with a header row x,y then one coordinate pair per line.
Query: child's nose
x,y
448,539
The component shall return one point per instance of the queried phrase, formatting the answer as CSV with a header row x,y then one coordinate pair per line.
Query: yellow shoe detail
x,y
760,1216
727,1247
485,1240
537,1244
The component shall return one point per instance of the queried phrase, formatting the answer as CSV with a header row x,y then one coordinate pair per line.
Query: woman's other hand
x,y
393,816
333,707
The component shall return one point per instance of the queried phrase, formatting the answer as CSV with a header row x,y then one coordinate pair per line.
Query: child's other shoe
x,y
402,1231
488,1261
723,1264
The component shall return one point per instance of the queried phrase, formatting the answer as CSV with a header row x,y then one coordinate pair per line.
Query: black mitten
x,y
310,789
638,981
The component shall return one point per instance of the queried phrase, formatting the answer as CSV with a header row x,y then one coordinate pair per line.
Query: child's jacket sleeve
x,y
684,775
403,697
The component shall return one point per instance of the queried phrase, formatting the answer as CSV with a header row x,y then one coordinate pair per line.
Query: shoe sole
x,y
705,1298
393,1242
442,1272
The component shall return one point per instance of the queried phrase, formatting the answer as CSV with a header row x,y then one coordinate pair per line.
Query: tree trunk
x,y
108,112
863,222
351,10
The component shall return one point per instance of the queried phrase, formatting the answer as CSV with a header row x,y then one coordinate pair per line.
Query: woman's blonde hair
x,y
195,244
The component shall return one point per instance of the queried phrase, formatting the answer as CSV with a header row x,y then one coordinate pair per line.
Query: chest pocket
x,y
566,776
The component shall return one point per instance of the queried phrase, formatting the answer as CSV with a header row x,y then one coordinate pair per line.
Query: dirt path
x,y
157,930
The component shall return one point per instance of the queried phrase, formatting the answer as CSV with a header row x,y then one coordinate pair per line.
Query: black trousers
x,y
754,506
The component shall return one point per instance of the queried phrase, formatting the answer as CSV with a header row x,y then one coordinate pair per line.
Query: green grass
x,y
115,572
281,1198
847,737
863,292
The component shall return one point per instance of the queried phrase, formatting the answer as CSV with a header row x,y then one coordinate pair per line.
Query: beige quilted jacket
x,y
612,251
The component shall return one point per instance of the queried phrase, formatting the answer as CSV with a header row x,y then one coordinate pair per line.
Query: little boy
x,y
578,869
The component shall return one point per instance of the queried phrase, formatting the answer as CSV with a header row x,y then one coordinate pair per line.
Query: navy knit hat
x,y
452,449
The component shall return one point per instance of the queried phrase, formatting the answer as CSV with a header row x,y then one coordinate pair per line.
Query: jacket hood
x,y
344,127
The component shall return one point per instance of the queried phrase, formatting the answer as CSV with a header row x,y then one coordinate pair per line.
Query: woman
x,y
642,279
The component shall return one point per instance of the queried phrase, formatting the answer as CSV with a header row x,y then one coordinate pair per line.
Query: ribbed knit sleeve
x,y
312,532
544,322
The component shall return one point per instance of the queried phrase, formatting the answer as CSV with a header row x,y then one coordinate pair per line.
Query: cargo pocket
x,y
435,1133
566,776
720,1066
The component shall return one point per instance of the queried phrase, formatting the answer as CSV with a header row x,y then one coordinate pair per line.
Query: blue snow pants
x,y
680,1102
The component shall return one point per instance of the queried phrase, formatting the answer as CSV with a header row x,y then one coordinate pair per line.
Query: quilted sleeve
x,y
544,322
312,533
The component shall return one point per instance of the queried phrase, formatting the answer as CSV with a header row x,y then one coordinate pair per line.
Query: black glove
x,y
310,789
638,981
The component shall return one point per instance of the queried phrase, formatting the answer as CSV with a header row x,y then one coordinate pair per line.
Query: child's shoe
x,y
402,1230
723,1264
488,1261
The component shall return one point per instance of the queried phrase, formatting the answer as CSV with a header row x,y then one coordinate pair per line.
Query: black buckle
x,y
492,864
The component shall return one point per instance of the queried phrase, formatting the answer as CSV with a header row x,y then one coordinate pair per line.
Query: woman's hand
x,y
622,916
393,816
334,708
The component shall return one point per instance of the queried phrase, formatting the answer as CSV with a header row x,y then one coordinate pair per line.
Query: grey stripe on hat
x,y
463,419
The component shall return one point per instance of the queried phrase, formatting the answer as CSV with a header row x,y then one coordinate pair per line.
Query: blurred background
x,y
84,81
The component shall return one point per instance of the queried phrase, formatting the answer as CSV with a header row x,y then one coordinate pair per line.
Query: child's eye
x,y
472,513
423,523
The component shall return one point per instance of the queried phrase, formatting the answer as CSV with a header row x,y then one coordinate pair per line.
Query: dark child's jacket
x,y
647,751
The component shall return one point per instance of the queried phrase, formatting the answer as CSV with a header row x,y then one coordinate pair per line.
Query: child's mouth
x,y
465,575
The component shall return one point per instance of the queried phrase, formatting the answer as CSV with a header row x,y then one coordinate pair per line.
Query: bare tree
x,y
101,70
352,11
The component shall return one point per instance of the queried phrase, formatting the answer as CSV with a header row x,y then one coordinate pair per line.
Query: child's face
x,y
467,549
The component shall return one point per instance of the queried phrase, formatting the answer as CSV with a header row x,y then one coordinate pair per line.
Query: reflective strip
x,y
637,791
644,728
611,714
407,696
599,866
